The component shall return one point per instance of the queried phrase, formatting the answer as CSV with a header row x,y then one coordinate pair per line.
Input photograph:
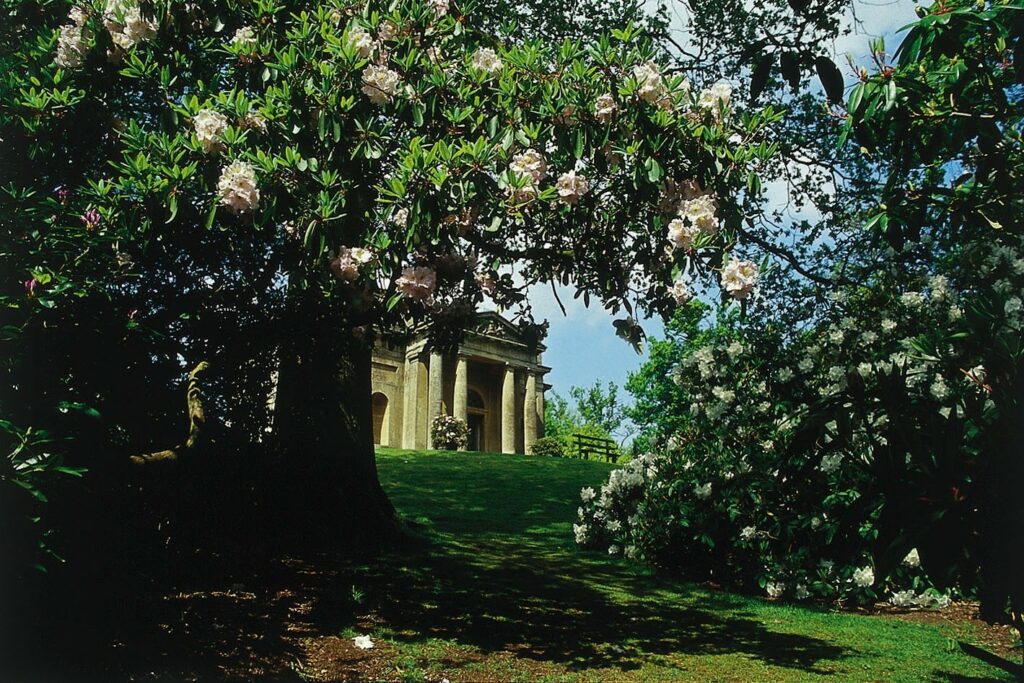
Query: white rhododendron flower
x,y
571,187
388,30
905,598
72,43
360,40
775,589
400,217
417,282
126,24
680,292
363,642
485,59
237,187
529,164
588,494
702,491
580,532
652,84
830,462
244,37
864,577
717,95
939,389
254,121
748,533
210,126
681,234
700,212
801,592
604,107
739,278
345,265
379,83
912,559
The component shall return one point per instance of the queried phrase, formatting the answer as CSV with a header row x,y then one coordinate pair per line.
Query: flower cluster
x,y
449,433
716,97
652,87
604,107
244,38
346,262
360,40
210,126
73,41
697,215
380,83
127,26
486,60
739,278
417,282
237,188
571,186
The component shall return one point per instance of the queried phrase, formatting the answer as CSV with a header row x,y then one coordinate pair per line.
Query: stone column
x,y
541,433
410,405
435,384
530,412
461,389
508,411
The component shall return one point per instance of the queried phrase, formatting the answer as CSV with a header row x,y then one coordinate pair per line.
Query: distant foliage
x,y
549,446
449,433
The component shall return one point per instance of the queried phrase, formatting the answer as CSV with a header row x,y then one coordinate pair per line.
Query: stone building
x,y
495,383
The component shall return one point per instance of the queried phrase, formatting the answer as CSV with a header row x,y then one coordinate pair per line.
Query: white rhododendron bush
x,y
834,462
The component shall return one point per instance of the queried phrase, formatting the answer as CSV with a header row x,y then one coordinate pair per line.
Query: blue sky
x,y
582,346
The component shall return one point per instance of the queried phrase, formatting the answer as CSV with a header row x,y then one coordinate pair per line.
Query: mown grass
x,y
501,593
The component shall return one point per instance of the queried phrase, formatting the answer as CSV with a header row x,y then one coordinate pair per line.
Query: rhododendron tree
x,y
307,176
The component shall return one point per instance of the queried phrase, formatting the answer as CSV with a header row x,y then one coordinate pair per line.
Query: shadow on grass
x,y
532,605
498,573
1012,668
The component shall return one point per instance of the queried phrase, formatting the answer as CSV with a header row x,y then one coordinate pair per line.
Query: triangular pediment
x,y
493,325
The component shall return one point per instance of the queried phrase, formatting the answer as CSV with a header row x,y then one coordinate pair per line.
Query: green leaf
x,y
653,170
172,204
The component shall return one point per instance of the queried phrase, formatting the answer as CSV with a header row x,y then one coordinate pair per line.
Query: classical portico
x,y
495,382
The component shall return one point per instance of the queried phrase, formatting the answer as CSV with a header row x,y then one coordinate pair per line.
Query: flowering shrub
x,y
449,433
549,446
814,465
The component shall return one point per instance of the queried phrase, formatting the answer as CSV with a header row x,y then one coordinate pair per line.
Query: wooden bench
x,y
595,445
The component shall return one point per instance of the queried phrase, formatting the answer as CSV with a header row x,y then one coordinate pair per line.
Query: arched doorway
x,y
476,415
381,423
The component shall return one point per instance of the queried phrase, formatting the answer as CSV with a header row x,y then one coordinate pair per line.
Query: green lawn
x,y
501,593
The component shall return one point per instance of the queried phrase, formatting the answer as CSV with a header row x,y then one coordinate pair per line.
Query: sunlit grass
x,y
502,593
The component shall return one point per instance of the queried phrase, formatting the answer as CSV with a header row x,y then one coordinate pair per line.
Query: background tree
x,y
601,407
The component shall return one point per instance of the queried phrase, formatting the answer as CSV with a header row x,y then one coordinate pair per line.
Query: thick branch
x,y
196,420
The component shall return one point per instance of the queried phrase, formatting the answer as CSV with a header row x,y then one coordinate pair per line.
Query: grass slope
x,y
502,593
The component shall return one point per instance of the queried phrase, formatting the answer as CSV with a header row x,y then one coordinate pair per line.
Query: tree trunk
x,y
323,431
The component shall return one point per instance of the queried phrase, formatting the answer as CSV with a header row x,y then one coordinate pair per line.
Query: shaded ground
x,y
498,592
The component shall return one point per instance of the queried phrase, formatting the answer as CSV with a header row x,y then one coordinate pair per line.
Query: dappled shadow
x,y
494,572
531,605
